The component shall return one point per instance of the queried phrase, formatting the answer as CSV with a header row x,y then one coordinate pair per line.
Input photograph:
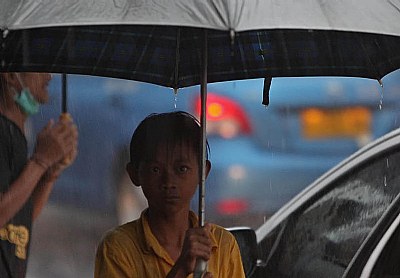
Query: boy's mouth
x,y
171,197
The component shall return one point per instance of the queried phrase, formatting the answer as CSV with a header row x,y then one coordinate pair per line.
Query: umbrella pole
x,y
64,93
203,91
64,116
201,265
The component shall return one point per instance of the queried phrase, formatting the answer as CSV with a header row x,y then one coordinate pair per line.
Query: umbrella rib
x,y
143,51
243,58
103,50
62,47
285,49
25,47
330,49
372,65
177,59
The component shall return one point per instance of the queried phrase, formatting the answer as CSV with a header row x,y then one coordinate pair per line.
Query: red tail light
x,y
232,206
225,117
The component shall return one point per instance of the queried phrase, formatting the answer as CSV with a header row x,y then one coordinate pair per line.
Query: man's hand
x,y
54,171
56,144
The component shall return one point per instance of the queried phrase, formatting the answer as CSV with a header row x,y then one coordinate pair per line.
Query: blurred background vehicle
x,y
261,156
346,223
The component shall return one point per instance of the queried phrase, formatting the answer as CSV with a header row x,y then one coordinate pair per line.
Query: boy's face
x,y
169,179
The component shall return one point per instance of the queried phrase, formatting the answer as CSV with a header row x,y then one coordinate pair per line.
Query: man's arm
x,y
45,186
20,190
43,189
53,143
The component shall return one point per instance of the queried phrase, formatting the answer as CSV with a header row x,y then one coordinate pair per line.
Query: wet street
x,y
64,242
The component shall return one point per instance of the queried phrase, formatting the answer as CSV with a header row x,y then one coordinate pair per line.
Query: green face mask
x,y
27,102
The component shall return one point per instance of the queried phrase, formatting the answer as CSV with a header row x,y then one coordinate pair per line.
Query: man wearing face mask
x,y
26,183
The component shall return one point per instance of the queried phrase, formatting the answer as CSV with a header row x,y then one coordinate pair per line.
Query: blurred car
x,y
261,156
345,224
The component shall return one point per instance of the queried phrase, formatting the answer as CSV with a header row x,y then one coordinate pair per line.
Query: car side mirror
x,y
247,241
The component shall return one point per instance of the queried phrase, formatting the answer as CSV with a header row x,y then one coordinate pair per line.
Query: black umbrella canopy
x,y
162,41
172,56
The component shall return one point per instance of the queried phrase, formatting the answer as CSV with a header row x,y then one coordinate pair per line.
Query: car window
x,y
388,262
323,236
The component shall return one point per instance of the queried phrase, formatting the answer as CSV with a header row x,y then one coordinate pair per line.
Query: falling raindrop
x,y
384,181
387,163
381,94
260,49
175,97
270,185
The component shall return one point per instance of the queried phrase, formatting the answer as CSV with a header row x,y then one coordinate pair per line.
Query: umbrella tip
x,y
267,86
5,32
232,35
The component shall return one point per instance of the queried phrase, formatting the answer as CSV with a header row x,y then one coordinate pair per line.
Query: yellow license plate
x,y
318,123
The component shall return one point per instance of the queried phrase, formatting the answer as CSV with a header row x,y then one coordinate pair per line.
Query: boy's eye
x,y
183,169
155,169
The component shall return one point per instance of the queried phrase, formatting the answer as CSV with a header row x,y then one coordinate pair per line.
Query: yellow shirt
x,y
131,250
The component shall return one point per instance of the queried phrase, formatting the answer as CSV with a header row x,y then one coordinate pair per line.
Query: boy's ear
x,y
133,174
208,167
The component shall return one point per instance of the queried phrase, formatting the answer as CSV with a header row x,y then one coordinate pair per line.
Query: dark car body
x,y
345,224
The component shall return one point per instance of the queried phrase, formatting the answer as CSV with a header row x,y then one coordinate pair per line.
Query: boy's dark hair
x,y
169,128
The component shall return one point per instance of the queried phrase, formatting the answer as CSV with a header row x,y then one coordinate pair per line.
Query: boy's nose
x,y
168,179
